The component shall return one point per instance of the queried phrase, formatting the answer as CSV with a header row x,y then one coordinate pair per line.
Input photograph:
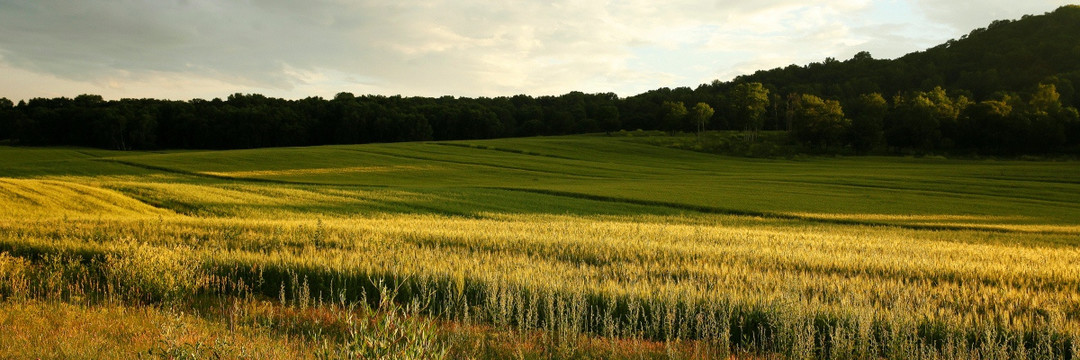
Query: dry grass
x,y
58,330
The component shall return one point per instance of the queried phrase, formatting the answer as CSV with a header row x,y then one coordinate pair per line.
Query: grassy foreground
x,y
564,247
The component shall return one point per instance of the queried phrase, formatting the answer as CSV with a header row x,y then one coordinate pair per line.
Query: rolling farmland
x,y
576,246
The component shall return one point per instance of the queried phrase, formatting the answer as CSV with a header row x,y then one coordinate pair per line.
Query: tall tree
x,y
1045,100
1047,120
867,114
750,100
818,122
919,118
674,114
700,115
7,118
608,117
989,127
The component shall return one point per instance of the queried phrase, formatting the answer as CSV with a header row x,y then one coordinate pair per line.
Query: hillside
x,y
575,174
1007,55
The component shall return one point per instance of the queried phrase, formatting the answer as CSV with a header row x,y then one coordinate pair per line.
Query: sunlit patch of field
x,y
601,269
907,217
258,194
22,198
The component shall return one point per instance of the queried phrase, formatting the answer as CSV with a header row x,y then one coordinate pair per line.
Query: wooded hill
x,y
1006,89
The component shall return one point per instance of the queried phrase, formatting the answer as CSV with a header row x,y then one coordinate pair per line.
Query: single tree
x,y
700,115
1045,100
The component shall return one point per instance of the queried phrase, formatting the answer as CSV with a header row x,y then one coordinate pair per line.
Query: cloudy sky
x,y
184,49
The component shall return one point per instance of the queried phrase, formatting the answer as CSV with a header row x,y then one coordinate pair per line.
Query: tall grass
x,y
821,291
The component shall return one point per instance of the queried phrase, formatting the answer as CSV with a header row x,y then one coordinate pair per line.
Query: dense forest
x,y
1006,89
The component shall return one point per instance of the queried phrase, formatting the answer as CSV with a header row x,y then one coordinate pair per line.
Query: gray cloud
x,y
963,16
246,43
464,47
452,46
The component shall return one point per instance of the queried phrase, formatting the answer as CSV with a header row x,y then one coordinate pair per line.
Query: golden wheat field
x,y
168,260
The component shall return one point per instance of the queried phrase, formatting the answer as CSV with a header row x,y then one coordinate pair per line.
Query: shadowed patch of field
x,y
320,171
944,221
894,217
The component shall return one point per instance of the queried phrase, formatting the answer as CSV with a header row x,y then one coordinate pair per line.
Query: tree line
x,y
936,120
253,120
1005,89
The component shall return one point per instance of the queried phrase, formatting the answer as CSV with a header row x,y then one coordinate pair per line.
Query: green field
x,y
550,247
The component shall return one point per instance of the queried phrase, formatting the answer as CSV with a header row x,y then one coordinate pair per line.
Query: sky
x,y
186,49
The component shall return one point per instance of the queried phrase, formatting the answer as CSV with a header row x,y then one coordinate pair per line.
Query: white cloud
x,y
209,48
